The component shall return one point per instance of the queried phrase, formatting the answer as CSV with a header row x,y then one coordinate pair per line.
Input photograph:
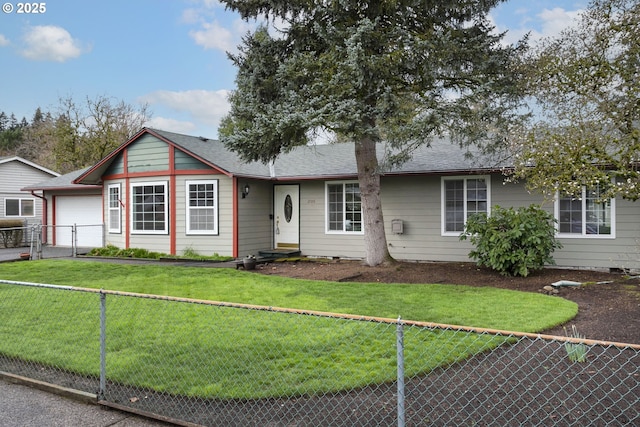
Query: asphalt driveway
x,y
22,406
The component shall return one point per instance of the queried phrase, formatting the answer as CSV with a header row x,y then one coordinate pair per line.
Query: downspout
x,y
44,214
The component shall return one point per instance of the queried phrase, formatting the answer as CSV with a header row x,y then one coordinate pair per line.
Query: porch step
x,y
279,253
270,255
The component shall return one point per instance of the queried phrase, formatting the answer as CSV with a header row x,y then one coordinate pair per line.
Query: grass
x,y
220,352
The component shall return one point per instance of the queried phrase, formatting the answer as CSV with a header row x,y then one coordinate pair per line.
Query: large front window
x,y
149,208
202,207
586,215
461,199
344,208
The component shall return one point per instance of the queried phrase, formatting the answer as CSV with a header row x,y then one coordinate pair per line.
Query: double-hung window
x,y
344,207
149,212
202,207
585,215
19,207
115,208
463,197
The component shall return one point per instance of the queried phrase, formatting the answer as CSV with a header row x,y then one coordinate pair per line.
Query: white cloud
x,y
215,28
538,24
557,19
50,43
171,125
213,36
3,40
202,106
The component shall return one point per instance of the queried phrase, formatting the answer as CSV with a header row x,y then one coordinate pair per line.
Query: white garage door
x,y
86,213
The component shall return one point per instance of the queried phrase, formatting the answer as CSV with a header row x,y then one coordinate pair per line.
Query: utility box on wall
x,y
397,226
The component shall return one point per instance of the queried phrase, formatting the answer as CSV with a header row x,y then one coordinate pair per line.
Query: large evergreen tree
x,y
400,71
587,84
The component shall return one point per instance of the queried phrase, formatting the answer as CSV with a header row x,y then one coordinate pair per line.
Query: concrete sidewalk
x,y
25,406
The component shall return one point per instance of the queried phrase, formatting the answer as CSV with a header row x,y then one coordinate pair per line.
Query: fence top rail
x,y
38,285
431,325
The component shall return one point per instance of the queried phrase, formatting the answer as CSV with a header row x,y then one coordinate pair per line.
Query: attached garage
x,y
85,212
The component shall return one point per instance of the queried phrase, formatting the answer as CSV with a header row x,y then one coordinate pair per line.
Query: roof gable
x,y
205,151
5,160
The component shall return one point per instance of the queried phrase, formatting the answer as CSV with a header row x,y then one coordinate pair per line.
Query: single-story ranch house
x,y
169,192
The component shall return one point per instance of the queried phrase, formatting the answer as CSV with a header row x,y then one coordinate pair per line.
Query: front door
x,y
287,216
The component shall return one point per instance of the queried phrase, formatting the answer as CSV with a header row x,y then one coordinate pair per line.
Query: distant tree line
x,y
73,136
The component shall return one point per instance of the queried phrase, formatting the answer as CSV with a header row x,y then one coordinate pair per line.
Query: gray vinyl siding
x,y
15,175
254,218
116,167
313,239
623,252
417,202
148,154
152,242
184,161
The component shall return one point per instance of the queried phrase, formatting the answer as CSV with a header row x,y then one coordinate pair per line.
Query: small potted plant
x,y
249,262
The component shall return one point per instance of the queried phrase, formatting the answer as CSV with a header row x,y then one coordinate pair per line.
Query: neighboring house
x,y
169,192
16,173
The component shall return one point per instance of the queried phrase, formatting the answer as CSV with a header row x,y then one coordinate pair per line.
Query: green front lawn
x,y
222,352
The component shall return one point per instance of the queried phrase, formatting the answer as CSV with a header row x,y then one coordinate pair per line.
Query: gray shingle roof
x,y
310,162
441,156
332,160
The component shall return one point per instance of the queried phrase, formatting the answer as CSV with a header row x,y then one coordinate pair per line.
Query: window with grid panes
x,y
202,207
463,198
344,207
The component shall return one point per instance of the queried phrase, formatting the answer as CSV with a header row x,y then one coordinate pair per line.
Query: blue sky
x,y
169,54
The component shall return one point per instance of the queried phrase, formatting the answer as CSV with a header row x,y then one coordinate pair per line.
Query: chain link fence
x,y
16,236
209,363
71,241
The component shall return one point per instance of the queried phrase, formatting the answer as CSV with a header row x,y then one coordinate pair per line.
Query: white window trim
x,y
165,184
111,211
344,210
20,200
443,204
584,235
188,230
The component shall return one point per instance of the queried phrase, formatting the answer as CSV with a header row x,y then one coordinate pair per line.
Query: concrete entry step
x,y
279,253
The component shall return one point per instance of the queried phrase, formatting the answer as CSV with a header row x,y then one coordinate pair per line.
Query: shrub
x,y
11,232
576,352
114,251
513,242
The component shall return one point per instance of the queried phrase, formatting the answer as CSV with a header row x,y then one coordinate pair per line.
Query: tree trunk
x,y
377,251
